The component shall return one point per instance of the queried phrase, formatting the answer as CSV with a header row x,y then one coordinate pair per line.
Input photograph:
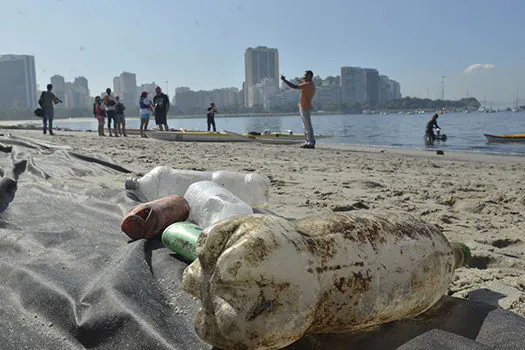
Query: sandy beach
x,y
474,198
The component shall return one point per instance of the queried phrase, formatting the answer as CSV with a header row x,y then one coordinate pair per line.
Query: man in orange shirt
x,y
307,87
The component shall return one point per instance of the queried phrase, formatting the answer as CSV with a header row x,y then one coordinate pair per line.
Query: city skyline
x,y
416,42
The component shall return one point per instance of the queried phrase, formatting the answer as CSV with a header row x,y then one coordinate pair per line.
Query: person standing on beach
x,y
146,107
210,116
47,101
109,102
162,106
99,114
121,119
307,87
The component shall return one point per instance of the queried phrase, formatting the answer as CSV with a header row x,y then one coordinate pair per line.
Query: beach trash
x,y
211,203
150,219
163,181
181,238
264,281
252,188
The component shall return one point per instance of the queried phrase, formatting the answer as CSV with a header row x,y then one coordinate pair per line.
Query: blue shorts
x,y
145,116
120,117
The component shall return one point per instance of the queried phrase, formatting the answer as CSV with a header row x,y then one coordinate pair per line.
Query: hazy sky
x,y
201,43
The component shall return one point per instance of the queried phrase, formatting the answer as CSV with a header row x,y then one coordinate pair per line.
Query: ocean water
x,y
464,130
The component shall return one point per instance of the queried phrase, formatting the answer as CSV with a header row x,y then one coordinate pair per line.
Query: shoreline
x,y
450,154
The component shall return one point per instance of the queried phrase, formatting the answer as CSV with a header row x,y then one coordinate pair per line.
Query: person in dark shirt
x,y
162,105
210,116
432,122
47,101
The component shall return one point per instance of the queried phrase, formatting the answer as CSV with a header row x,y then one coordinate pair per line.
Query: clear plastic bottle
x,y
211,203
163,181
252,188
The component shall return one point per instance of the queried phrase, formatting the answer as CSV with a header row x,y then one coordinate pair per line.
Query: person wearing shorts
x,y
121,120
109,102
146,107
162,105
99,114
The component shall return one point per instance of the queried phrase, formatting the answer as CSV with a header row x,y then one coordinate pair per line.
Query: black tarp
x,y
69,279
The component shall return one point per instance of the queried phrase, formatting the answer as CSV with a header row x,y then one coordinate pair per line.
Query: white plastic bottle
x,y
163,181
211,203
252,188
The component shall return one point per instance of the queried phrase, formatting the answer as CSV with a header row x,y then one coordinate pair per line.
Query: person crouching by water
x,y
432,122
210,116
99,114
307,87
146,107
121,119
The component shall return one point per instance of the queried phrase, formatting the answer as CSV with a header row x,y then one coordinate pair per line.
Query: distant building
x,y
386,89
283,98
260,62
327,95
128,89
59,88
353,85
18,82
372,86
148,87
262,91
195,102
397,90
116,86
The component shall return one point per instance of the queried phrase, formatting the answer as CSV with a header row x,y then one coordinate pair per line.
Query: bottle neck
x,y
462,254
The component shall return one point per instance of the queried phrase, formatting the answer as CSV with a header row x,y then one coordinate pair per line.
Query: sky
x,y
476,45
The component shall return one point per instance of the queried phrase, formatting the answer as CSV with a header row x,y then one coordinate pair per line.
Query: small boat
x,y
223,136
505,138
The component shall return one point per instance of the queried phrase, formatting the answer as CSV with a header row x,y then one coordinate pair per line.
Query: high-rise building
x,y
353,85
259,63
116,86
18,82
397,90
148,87
372,86
128,89
386,89
59,88
81,82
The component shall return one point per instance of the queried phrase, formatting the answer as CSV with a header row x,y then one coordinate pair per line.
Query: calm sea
x,y
464,130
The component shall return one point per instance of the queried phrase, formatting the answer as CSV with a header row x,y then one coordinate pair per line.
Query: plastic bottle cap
x,y
131,184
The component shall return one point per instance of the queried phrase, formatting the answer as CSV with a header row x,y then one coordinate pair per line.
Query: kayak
x,y
505,138
223,136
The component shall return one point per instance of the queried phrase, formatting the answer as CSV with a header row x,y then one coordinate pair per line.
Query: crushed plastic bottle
x,y
264,281
181,238
211,203
252,188
163,181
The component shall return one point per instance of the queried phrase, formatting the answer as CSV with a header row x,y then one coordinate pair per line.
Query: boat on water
x,y
224,136
506,138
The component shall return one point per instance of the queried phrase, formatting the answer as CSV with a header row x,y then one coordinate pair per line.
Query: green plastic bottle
x,y
181,238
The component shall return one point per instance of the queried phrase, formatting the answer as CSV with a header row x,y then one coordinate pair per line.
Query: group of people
x,y
112,108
